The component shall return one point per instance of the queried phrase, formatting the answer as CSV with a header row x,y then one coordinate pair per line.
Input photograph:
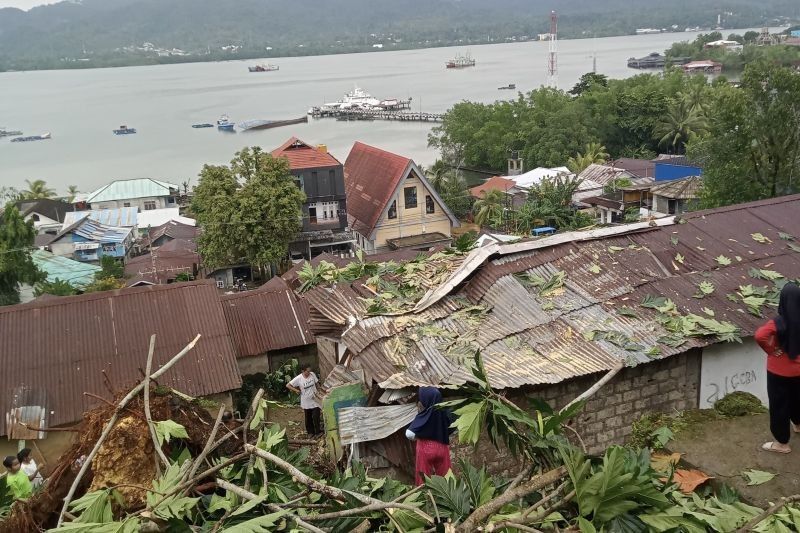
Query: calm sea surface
x,y
81,107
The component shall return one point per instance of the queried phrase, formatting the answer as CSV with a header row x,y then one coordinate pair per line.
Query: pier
x,y
376,114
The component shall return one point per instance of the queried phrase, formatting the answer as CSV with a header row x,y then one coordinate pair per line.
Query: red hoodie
x,y
777,362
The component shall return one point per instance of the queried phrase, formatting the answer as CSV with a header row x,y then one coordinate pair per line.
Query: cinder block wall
x,y
667,385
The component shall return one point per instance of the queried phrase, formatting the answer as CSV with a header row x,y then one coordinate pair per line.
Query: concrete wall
x,y
410,221
667,385
727,368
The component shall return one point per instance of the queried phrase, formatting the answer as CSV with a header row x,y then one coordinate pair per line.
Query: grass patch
x,y
739,404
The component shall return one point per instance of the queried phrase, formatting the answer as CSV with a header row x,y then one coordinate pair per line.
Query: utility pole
x,y
552,56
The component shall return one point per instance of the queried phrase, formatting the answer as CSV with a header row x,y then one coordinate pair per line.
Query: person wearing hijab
x,y
431,430
780,339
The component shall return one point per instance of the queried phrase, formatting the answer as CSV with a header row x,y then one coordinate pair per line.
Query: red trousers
x,y
433,458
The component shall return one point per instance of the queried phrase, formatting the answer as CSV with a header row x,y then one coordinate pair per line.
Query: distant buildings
x,y
88,240
47,215
146,194
391,205
731,46
704,66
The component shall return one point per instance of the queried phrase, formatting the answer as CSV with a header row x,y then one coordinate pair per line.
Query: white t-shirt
x,y
308,387
29,469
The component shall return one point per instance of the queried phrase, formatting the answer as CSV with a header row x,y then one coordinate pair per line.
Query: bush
x,y
739,404
273,383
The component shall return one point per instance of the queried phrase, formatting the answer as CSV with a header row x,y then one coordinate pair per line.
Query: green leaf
x,y
470,421
250,504
757,477
785,236
93,507
674,240
679,258
626,311
166,429
262,524
595,268
794,247
709,312
704,289
586,526
451,496
666,521
130,525
758,237
653,351
722,260
613,249
760,273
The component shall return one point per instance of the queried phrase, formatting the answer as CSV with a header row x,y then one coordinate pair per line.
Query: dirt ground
x,y
725,448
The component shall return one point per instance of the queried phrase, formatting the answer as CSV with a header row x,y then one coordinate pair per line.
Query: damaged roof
x,y
551,309
681,189
70,345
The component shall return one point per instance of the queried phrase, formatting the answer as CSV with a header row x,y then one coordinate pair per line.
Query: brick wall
x,y
667,385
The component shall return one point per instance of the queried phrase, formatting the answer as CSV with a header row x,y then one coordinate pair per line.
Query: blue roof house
x,y
89,240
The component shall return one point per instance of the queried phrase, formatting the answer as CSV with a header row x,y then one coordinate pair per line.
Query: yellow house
x,y
391,205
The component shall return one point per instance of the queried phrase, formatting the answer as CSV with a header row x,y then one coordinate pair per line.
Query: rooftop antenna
x,y
552,56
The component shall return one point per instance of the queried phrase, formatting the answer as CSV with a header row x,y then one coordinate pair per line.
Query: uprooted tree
x,y
192,473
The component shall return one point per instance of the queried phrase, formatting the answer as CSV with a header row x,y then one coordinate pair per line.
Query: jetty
x,y
376,114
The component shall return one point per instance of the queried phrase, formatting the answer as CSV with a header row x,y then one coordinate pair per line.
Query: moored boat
x,y
41,137
124,130
461,62
267,124
510,86
263,68
9,133
203,125
224,123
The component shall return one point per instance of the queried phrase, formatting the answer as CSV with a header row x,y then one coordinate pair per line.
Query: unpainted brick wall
x,y
667,385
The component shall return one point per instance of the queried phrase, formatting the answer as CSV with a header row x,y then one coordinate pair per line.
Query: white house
x,y
146,194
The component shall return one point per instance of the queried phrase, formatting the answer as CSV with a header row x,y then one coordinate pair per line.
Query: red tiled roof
x,y
371,176
63,346
494,183
302,155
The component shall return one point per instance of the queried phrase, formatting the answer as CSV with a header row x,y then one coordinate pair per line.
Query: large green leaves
x,y
452,496
261,524
167,429
175,506
95,506
130,525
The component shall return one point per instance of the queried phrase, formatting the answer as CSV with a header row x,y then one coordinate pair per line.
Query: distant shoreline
x,y
176,60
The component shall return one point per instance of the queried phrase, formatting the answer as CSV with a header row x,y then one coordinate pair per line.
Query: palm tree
x,y
682,122
72,191
489,209
37,189
593,153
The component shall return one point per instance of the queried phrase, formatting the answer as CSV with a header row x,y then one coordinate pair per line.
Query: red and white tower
x,y
552,56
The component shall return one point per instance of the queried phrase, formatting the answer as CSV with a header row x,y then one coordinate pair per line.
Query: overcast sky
x,y
25,4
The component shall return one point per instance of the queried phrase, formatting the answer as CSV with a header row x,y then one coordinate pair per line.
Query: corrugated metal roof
x,y
362,424
172,229
681,189
528,339
267,318
76,273
64,345
133,188
121,217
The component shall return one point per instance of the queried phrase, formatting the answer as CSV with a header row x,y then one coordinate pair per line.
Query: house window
x,y
126,204
149,205
332,175
411,197
429,206
298,180
393,210
170,199
35,217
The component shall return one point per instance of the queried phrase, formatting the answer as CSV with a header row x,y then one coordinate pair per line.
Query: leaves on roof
x,y
595,268
785,236
674,240
760,273
704,289
760,238
552,286
794,247
682,327
626,311
722,260
614,249
679,258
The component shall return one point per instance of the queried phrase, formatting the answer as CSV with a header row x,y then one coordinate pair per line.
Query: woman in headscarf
x,y
431,429
780,338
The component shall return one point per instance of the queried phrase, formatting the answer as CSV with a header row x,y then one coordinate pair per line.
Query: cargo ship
x,y
461,62
41,137
124,130
263,68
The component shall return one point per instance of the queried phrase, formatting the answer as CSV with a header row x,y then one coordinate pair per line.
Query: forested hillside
x,y
112,32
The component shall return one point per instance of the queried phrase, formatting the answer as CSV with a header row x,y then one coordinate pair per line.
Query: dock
x,y
377,114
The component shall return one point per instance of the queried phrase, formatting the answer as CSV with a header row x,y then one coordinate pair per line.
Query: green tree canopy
x,y
753,147
16,265
37,189
489,209
250,210
58,287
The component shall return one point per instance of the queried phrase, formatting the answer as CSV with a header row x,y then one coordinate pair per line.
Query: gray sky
x,y
25,4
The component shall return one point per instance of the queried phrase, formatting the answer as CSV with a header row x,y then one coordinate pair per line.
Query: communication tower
x,y
552,56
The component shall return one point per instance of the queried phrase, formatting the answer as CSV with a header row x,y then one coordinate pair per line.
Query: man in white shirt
x,y
305,385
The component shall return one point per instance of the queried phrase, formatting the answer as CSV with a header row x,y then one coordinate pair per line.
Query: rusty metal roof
x,y
64,345
268,318
362,424
528,339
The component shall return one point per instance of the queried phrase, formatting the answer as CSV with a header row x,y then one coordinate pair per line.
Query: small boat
x,y
510,86
263,68
461,62
125,130
204,125
9,133
224,123
41,137
266,124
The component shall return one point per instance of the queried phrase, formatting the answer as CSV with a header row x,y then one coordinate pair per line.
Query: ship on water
x,y
263,68
359,99
124,130
461,62
41,137
9,133
224,123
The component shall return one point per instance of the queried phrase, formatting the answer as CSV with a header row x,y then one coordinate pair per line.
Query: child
x,y
17,481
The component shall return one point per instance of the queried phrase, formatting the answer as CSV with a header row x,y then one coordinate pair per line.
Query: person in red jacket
x,y
780,338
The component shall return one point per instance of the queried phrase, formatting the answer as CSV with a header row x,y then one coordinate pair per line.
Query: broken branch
x,y
591,391
767,513
110,425
148,417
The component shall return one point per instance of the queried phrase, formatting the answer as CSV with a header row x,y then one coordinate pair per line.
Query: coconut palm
x,y
72,191
489,209
37,189
593,153
682,122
